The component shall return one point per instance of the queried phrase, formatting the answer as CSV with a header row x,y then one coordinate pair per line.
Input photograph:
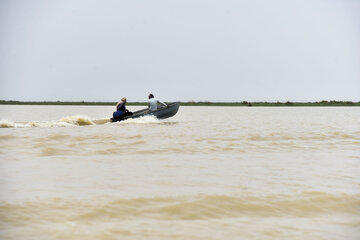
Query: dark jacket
x,y
121,107
120,110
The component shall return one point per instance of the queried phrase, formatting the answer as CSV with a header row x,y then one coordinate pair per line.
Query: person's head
x,y
151,96
124,99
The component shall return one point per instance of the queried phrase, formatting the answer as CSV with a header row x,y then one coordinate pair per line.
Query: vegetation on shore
x,y
192,103
273,104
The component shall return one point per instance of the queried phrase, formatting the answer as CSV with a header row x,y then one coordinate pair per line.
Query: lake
x,y
207,173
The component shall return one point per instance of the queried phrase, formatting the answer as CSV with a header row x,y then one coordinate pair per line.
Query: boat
x,y
161,113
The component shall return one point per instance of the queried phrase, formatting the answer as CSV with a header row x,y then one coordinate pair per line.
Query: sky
x,y
180,50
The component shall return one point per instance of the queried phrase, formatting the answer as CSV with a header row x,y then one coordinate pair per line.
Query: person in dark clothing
x,y
121,111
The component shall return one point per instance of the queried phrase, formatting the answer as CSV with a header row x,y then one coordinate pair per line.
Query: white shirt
x,y
153,104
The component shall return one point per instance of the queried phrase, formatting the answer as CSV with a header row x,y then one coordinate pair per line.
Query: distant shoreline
x,y
192,103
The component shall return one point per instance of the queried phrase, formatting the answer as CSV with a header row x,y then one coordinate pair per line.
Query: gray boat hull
x,y
161,113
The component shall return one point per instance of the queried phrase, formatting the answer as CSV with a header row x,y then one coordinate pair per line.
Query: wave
x,y
182,208
77,120
304,136
70,121
141,120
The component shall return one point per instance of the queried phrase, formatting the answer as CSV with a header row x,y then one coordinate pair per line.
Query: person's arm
x,y
162,103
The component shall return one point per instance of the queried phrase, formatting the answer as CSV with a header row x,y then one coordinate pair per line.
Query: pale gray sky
x,y
201,50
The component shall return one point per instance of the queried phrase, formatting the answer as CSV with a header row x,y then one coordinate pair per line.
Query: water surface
x,y
207,173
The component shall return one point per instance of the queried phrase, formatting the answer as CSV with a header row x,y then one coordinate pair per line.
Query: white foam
x,y
4,123
73,121
70,121
141,120
78,120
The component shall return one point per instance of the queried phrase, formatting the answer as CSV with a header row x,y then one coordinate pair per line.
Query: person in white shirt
x,y
153,103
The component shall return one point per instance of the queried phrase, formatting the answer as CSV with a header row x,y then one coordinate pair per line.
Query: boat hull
x,y
161,113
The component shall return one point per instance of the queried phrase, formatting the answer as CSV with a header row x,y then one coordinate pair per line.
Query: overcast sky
x,y
201,50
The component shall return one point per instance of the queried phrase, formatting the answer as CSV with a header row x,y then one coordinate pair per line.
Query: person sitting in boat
x,y
153,103
121,111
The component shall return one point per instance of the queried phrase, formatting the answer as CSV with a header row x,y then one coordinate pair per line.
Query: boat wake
x,y
144,119
70,121
74,121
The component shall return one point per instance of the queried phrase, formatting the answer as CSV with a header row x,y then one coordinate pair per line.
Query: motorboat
x,y
161,112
